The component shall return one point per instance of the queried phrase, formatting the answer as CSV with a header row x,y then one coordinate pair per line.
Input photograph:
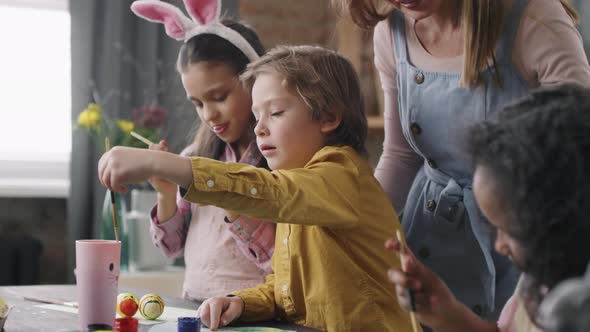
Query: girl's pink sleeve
x,y
398,163
256,240
170,236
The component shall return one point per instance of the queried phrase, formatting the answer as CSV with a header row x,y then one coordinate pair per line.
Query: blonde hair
x,y
326,82
482,21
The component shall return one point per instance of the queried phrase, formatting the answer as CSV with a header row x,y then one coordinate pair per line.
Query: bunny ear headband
x,y
205,19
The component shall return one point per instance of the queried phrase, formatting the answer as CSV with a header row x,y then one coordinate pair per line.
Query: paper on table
x,y
173,327
169,320
170,314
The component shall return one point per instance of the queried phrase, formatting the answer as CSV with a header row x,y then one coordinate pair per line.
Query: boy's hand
x,y
433,300
220,311
162,186
122,165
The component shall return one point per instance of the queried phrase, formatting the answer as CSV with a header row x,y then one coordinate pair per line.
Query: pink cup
x,y
97,281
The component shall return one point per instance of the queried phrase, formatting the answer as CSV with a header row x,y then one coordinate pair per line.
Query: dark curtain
x,y
126,60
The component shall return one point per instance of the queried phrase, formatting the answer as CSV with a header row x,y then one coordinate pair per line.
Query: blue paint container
x,y
189,324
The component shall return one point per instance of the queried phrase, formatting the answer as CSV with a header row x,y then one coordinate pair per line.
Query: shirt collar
x,y
251,156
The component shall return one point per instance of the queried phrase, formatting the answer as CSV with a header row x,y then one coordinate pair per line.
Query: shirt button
x,y
419,78
415,128
285,287
210,183
477,309
432,164
430,205
285,241
253,191
424,253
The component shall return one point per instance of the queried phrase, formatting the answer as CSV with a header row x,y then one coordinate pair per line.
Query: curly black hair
x,y
538,152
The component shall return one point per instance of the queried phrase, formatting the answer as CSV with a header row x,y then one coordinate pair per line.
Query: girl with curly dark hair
x,y
532,183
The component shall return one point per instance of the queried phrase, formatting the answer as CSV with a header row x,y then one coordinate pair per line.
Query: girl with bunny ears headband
x,y
222,251
205,19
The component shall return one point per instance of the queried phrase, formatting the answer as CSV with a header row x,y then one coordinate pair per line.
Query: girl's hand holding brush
x,y
162,186
434,304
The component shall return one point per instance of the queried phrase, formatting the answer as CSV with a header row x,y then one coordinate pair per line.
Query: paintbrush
x,y
107,147
141,138
67,304
402,251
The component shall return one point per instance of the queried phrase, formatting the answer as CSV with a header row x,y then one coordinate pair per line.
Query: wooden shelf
x,y
375,122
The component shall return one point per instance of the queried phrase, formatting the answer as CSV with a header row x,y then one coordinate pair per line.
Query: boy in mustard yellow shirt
x,y
332,216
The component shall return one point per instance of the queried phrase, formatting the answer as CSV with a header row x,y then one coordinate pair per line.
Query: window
x,y
35,108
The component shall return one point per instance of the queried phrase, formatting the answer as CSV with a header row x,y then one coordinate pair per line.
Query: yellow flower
x,y
93,107
126,126
90,117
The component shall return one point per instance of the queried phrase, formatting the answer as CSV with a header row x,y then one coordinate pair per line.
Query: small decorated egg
x,y
151,306
127,304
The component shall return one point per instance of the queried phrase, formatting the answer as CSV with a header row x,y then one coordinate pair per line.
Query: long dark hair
x,y
538,152
212,48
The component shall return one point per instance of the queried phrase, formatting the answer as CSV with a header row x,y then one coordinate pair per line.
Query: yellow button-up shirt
x,y
329,262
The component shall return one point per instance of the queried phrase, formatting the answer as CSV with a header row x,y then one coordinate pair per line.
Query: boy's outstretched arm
x,y
121,166
326,192
435,305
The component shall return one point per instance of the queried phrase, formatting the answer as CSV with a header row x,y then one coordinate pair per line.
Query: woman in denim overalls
x,y
431,108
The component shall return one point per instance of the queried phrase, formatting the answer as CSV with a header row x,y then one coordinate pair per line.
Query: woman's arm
x,y
548,48
398,163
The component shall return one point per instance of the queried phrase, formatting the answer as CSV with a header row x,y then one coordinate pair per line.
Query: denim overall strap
x,y
398,25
